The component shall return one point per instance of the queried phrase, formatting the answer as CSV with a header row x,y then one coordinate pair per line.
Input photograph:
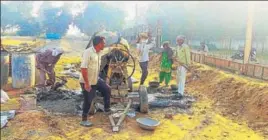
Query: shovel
x,y
57,84
195,75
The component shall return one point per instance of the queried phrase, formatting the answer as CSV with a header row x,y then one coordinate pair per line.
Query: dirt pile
x,y
235,96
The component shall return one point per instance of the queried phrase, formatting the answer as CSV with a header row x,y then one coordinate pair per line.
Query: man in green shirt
x,y
183,57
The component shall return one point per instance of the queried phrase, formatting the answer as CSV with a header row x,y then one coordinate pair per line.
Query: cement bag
x,y
4,96
10,114
3,121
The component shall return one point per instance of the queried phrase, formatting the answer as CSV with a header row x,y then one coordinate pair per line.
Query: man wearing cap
x,y
89,78
143,47
45,63
182,56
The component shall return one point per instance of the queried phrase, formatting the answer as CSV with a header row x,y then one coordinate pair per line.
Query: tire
x,y
144,107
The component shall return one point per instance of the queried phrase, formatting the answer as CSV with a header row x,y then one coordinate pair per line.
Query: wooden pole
x,y
124,113
248,42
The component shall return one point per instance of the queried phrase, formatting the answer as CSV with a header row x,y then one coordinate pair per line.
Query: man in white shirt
x,y
89,80
143,49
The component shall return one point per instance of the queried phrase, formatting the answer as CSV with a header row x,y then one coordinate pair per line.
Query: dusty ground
x,y
227,107
236,97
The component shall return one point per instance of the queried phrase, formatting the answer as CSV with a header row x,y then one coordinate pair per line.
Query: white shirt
x,y
144,48
91,61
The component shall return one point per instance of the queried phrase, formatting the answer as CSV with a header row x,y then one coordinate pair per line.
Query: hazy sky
x,y
129,6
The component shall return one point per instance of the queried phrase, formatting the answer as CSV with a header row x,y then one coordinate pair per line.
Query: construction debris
x,y
21,48
60,101
10,114
4,96
131,113
162,101
115,127
4,121
72,73
5,116
169,116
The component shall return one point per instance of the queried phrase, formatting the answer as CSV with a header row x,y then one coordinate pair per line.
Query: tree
x,y
56,20
29,28
19,14
97,15
9,17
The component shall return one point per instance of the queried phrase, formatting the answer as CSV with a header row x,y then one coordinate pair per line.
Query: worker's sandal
x,y
108,111
86,123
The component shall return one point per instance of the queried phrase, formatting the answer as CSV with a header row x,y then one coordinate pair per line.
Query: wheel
x,y
118,59
144,107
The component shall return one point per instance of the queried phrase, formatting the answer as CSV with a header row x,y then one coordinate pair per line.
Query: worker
x,y
143,47
45,63
89,80
166,64
253,53
182,57
203,47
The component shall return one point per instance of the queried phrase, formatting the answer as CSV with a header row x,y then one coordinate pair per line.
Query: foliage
x,y
9,17
97,16
29,28
56,20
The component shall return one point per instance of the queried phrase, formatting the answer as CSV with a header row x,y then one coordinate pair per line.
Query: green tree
x,y
9,17
56,20
97,15
29,28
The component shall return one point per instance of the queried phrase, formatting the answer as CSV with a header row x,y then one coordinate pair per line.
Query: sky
x,y
129,7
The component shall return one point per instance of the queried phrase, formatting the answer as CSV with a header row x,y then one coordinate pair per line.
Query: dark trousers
x,y
89,96
144,69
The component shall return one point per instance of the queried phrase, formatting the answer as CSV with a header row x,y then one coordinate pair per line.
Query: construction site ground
x,y
228,106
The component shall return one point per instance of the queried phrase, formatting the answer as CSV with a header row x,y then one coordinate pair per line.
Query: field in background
x,y
12,42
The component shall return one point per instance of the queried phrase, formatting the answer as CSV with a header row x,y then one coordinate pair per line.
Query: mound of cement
x,y
159,100
60,101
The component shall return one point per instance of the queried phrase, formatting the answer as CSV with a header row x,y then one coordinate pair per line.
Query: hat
x,y
181,37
